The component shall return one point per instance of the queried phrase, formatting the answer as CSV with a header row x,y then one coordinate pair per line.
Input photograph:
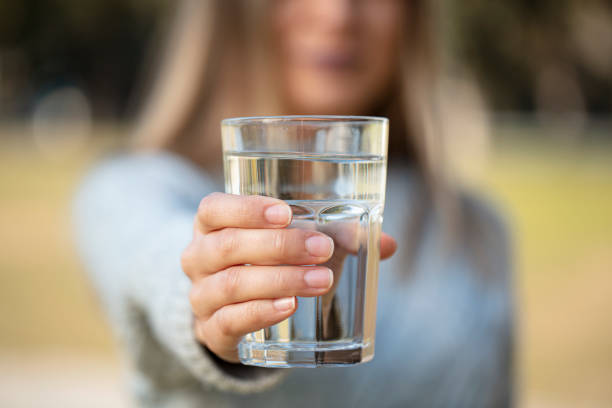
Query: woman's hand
x,y
234,259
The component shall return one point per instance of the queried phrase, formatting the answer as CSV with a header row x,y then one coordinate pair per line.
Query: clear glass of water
x,y
331,170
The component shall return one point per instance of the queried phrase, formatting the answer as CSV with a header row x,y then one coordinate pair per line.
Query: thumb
x,y
388,245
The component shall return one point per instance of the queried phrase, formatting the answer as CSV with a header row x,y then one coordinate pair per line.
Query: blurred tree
x,y
530,55
96,45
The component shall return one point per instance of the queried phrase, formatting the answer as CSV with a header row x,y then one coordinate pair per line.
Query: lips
x,y
335,61
330,60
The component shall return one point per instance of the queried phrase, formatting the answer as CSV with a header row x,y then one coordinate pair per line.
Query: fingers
x,y
388,246
222,332
219,210
241,318
221,249
243,283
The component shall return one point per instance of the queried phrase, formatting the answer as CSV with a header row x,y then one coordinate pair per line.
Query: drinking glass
x,y
331,170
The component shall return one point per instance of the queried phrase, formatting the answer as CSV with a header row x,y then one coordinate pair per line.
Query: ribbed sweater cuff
x,y
181,339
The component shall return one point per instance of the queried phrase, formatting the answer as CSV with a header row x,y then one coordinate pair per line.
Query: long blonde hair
x,y
216,65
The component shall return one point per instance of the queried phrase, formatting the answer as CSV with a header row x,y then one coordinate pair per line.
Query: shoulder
x,y
482,214
137,173
145,168
127,186
484,233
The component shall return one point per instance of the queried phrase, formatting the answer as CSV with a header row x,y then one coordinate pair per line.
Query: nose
x,y
334,14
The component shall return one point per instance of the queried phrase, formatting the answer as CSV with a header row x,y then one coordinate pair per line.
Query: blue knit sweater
x,y
444,328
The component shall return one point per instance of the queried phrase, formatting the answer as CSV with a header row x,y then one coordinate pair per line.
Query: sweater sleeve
x,y
133,217
465,339
485,366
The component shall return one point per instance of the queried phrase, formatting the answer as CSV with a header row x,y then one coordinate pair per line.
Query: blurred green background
x,y
68,75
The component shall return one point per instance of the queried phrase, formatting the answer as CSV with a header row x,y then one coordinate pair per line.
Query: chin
x,y
317,93
324,102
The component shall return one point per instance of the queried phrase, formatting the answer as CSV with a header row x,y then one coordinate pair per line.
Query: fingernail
x,y
284,304
279,214
319,278
319,246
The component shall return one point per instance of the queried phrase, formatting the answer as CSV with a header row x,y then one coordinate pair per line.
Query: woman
x,y
444,324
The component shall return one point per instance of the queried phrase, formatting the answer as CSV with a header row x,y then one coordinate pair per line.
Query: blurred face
x,y
337,56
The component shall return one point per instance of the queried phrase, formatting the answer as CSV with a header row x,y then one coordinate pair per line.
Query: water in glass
x,y
341,196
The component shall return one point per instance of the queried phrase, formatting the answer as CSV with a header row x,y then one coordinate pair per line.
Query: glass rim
x,y
322,119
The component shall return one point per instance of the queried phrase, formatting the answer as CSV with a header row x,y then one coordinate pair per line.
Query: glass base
x,y
304,354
